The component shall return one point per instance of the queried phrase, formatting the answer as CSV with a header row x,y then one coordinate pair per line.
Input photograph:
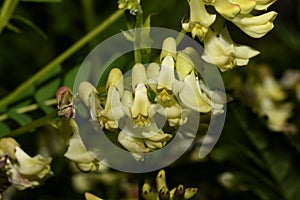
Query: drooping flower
x,y
255,26
23,171
200,19
85,160
219,49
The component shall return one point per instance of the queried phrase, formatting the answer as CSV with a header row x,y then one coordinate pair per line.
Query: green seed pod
x,y
161,180
190,192
147,192
164,193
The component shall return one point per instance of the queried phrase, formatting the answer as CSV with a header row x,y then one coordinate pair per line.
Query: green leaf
x,y
4,129
27,93
45,92
30,24
54,72
69,78
262,160
22,119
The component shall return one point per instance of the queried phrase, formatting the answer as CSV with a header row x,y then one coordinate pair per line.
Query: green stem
x,y
88,13
29,108
7,10
61,58
34,124
138,24
180,36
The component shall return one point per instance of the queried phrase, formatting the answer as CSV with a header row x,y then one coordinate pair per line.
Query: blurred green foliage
x,y
265,164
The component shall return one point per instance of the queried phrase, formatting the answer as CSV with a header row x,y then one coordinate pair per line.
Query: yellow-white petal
x,y
138,75
226,8
255,26
31,166
168,48
199,14
132,144
166,76
246,6
115,78
8,145
113,110
140,106
184,64
191,95
77,152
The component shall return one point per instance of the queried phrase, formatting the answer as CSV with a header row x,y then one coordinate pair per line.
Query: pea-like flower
x,y
109,115
266,97
255,26
77,152
219,49
200,19
23,171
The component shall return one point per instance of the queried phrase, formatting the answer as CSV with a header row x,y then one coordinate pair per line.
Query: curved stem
x,y
61,58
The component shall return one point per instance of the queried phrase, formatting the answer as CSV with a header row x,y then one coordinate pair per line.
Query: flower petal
x,y
191,95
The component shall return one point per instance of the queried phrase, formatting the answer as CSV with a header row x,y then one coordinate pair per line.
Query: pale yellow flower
x,y
255,26
77,152
219,49
22,170
200,19
191,95
113,110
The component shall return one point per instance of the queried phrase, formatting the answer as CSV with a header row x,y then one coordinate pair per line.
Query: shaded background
x,y
264,164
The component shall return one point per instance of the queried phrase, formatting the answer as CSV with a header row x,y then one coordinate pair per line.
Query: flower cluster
x,y
77,152
19,169
172,89
207,22
163,193
267,97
